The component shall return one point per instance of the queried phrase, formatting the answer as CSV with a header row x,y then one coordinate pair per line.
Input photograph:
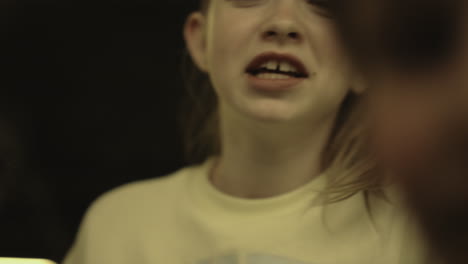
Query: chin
x,y
273,114
267,110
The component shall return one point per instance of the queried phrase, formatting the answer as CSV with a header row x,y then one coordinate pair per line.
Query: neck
x,y
268,159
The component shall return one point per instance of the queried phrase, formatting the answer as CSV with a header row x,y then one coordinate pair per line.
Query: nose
x,y
283,32
283,25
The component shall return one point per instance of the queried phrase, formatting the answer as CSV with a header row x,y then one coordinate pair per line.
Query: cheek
x,y
219,54
333,66
226,38
326,45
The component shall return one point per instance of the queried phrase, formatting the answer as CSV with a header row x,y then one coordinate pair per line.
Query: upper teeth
x,y
279,65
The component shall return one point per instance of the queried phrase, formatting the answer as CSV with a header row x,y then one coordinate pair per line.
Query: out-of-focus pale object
x,y
25,261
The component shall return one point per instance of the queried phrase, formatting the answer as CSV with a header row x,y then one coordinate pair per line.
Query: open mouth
x,y
276,66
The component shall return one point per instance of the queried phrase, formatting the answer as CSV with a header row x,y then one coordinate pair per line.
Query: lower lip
x,y
273,85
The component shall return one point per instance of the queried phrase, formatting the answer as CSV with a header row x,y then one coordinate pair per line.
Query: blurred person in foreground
x,y
415,54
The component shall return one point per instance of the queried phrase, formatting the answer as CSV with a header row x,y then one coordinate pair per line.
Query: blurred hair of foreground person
x,y
419,106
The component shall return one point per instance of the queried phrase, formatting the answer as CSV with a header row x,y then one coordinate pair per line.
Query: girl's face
x,y
271,60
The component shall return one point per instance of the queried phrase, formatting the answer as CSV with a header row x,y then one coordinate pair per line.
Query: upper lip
x,y
268,56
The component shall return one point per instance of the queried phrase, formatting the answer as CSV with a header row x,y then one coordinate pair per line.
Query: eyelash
x,y
320,6
245,3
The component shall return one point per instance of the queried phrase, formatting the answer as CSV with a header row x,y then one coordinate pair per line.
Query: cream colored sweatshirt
x,y
183,219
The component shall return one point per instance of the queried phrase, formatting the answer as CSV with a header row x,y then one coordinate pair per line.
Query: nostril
x,y
283,35
270,33
293,35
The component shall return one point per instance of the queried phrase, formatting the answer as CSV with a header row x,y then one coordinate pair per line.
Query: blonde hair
x,y
346,160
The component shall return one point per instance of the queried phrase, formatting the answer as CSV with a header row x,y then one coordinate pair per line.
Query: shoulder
x,y
137,202
120,217
140,195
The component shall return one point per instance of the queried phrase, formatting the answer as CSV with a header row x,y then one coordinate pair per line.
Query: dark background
x,y
89,96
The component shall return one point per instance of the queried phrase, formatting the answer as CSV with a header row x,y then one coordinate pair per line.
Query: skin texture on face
x,y
234,32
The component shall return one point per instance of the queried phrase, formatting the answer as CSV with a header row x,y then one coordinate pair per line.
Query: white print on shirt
x,y
254,258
